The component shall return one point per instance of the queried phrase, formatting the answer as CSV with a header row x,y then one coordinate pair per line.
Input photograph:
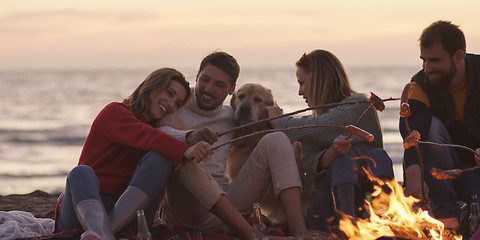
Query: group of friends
x,y
135,155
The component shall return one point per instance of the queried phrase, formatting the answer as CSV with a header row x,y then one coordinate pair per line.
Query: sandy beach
x,y
39,203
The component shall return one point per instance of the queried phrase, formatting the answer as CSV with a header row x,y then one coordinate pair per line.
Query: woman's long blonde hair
x,y
328,81
139,100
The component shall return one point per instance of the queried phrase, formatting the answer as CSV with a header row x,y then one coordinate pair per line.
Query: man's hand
x,y
413,183
274,111
205,134
199,152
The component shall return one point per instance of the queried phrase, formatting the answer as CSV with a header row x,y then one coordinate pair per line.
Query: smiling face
x,y
438,65
213,86
303,79
165,101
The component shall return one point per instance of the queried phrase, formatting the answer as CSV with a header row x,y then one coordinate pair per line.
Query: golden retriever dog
x,y
249,103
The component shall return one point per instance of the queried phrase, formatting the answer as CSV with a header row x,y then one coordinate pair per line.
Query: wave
x,y
24,176
60,137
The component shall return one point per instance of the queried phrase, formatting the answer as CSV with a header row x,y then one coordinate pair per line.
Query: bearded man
x,y
445,108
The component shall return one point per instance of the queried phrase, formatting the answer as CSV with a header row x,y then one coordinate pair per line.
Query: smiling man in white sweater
x,y
272,160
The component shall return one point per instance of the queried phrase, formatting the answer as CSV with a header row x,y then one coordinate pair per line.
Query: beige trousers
x,y
192,191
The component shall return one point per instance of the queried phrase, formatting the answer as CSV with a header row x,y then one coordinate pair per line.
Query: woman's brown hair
x,y
328,81
139,100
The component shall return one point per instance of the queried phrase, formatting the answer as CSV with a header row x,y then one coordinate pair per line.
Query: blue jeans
x,y
343,171
443,194
151,176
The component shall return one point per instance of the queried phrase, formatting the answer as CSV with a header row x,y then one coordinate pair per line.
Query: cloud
x,y
260,32
64,19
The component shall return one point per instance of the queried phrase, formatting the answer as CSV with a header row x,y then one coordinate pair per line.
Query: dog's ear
x,y
270,101
232,100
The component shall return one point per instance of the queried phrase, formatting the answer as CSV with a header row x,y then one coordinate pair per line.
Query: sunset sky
x,y
118,33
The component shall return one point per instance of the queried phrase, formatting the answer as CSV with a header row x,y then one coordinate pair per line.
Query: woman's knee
x,y
81,172
152,171
343,169
343,165
380,163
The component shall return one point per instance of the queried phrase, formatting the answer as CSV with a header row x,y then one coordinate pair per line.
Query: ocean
x,y
46,114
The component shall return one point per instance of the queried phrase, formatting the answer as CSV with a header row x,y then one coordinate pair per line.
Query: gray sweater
x,y
315,141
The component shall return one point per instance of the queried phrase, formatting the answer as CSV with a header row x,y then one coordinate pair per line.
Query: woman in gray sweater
x,y
328,154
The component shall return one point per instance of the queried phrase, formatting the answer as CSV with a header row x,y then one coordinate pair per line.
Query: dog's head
x,y
249,102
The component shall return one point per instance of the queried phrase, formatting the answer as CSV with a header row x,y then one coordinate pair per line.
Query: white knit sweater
x,y
219,119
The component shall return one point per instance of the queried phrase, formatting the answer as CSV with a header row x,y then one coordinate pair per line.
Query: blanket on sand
x,y
163,232
19,224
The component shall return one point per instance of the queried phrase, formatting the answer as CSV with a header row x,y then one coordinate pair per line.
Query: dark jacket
x,y
442,106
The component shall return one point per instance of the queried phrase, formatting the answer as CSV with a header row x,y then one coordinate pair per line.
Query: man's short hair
x,y
446,33
224,61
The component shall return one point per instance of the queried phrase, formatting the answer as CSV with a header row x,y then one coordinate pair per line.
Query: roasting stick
x,y
453,173
450,145
405,113
360,118
366,136
450,174
286,115
374,101
297,112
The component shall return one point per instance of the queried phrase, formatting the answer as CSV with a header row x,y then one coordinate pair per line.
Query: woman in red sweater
x,y
125,161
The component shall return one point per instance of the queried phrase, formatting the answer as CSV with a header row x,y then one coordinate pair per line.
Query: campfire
x,y
391,214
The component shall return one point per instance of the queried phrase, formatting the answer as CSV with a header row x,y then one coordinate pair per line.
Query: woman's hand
x,y
341,145
274,111
199,151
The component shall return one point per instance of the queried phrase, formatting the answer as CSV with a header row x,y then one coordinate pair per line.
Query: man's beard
x,y
445,78
205,107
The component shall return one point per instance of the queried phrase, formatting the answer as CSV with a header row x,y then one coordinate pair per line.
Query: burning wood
x,y
392,215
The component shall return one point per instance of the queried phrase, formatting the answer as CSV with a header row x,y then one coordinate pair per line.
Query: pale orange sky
x,y
147,34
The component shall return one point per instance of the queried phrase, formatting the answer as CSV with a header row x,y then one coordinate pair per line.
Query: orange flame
x,y
392,215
